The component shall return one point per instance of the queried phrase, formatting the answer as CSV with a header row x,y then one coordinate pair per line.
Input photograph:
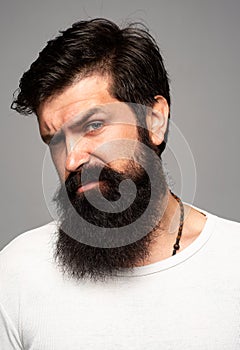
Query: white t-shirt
x,y
188,301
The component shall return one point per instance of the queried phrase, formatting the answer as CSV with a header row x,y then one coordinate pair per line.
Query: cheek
x,y
129,132
118,145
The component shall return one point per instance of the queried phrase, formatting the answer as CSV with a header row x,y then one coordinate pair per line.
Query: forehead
x,y
85,94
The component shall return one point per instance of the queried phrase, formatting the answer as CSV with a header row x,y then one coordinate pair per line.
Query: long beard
x,y
98,243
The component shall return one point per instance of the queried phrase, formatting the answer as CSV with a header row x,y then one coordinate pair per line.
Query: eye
x,y
94,126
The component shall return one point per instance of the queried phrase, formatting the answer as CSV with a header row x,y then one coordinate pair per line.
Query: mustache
x,y
92,174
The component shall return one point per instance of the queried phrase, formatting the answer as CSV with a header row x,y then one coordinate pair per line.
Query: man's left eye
x,y
94,126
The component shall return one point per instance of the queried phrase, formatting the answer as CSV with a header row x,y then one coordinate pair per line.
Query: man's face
x,y
96,147
103,121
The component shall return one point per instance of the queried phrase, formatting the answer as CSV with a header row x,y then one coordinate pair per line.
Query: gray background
x,y
200,43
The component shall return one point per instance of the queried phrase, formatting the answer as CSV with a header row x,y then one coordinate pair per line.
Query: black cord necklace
x,y
176,246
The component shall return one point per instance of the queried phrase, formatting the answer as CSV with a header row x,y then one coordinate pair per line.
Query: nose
x,y
78,153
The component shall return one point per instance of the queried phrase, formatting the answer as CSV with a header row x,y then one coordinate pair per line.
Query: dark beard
x,y
96,244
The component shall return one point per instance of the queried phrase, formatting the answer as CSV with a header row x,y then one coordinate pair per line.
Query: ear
x,y
157,120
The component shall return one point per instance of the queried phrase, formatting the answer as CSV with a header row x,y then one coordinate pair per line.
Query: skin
x,y
95,147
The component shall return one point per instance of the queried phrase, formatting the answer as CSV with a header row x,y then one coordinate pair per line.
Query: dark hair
x,y
130,56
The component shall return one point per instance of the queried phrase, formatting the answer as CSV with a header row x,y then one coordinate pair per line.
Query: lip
x,y
87,187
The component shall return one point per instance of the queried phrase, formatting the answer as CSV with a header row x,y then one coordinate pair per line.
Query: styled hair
x,y
129,56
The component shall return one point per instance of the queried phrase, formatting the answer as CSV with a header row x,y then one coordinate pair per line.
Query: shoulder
x,y
25,269
28,247
228,232
31,237
220,224
222,235
224,242
226,227
231,225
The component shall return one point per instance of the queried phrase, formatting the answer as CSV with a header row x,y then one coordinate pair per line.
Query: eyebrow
x,y
47,137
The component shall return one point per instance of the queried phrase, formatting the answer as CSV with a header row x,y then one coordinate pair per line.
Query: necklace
x,y
176,245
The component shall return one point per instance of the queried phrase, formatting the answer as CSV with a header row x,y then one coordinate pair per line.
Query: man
x,y
127,265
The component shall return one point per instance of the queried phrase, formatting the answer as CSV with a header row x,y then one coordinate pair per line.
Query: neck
x,y
162,245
